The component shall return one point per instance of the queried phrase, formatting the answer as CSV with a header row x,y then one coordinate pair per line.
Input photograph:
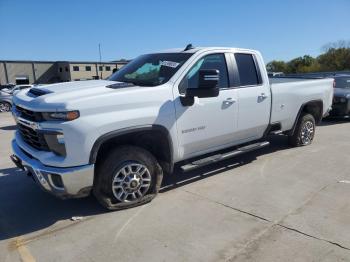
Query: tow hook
x,y
17,161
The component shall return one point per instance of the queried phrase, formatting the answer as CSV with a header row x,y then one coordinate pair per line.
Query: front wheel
x,y
304,131
129,176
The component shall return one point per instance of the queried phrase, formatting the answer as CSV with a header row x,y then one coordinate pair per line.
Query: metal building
x,y
44,72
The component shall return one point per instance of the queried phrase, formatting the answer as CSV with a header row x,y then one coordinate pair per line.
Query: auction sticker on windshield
x,y
169,64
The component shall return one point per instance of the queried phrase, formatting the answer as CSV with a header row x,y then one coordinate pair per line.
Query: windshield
x,y
151,69
342,82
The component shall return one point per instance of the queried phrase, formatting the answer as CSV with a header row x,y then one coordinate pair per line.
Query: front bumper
x,y
63,182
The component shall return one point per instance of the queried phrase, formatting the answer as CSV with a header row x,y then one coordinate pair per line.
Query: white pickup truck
x,y
184,107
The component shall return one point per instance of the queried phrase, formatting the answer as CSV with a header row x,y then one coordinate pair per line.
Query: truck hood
x,y
65,87
65,96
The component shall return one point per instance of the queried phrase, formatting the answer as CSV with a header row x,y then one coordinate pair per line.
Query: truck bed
x,y
289,94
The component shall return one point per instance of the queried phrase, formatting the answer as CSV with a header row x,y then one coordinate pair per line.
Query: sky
x,y
72,29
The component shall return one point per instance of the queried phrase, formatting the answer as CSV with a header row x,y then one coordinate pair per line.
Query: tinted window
x,y
247,70
88,68
75,68
342,82
100,68
108,68
215,61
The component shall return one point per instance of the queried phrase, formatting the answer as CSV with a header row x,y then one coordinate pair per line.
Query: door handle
x,y
229,100
263,96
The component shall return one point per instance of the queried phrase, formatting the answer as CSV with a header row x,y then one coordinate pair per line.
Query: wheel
x,y
304,131
129,176
5,107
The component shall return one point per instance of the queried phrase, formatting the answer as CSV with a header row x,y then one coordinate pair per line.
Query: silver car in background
x,y
6,96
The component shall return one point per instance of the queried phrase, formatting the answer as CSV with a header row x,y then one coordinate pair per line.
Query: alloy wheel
x,y
307,133
131,182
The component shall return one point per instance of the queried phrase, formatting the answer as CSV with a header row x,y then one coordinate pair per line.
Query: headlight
x,y
63,116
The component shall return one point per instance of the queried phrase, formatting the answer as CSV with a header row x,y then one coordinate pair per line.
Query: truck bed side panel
x,y
289,96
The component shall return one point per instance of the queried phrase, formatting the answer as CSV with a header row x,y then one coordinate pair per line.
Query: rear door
x,y
254,97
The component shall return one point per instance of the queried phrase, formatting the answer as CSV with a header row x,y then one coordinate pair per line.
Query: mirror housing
x,y
207,84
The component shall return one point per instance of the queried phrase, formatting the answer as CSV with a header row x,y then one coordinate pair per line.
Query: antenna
x,y
99,51
188,47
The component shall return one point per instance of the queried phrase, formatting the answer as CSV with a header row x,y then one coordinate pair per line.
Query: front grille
x,y
32,137
28,114
340,100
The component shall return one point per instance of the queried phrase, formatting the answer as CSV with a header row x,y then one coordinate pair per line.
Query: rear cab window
x,y
248,70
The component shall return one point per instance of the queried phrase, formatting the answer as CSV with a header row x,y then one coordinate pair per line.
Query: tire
x,y
5,107
129,176
304,131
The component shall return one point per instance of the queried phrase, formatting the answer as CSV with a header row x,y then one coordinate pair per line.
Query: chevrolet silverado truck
x,y
180,108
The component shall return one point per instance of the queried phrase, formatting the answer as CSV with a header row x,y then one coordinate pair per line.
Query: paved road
x,y
278,204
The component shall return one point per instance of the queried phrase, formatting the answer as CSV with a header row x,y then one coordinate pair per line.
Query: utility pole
x,y
99,50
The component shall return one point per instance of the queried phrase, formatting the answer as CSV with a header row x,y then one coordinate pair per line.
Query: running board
x,y
219,157
276,132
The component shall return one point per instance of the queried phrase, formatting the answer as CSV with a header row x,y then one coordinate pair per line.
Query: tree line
x,y
335,57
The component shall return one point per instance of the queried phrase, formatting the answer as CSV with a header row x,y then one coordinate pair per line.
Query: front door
x,y
209,123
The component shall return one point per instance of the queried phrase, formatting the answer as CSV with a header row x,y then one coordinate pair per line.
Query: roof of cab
x,y
196,49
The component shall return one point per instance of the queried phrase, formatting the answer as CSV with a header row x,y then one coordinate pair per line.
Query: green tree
x,y
335,57
276,66
301,64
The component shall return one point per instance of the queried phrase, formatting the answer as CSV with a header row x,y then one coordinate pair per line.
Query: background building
x,y
43,72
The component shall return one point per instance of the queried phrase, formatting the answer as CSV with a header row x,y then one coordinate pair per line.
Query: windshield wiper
x,y
139,83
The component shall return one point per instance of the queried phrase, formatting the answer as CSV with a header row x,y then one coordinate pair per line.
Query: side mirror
x,y
207,84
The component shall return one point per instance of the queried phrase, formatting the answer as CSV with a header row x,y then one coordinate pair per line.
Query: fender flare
x,y
129,130
6,100
291,132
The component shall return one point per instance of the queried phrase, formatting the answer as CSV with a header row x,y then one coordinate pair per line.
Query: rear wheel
x,y
5,107
304,131
129,176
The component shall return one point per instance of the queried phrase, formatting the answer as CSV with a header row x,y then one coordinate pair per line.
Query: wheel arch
x,y
154,138
313,107
6,101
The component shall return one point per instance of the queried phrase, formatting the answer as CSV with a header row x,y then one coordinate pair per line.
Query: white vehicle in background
x,y
181,108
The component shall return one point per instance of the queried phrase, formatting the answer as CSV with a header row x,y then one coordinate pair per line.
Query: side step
x,y
219,157
277,132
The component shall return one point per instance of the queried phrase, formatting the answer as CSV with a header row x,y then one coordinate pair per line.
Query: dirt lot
x,y
276,204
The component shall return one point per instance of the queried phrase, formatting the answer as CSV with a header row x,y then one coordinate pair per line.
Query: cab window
x,y
214,61
249,74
